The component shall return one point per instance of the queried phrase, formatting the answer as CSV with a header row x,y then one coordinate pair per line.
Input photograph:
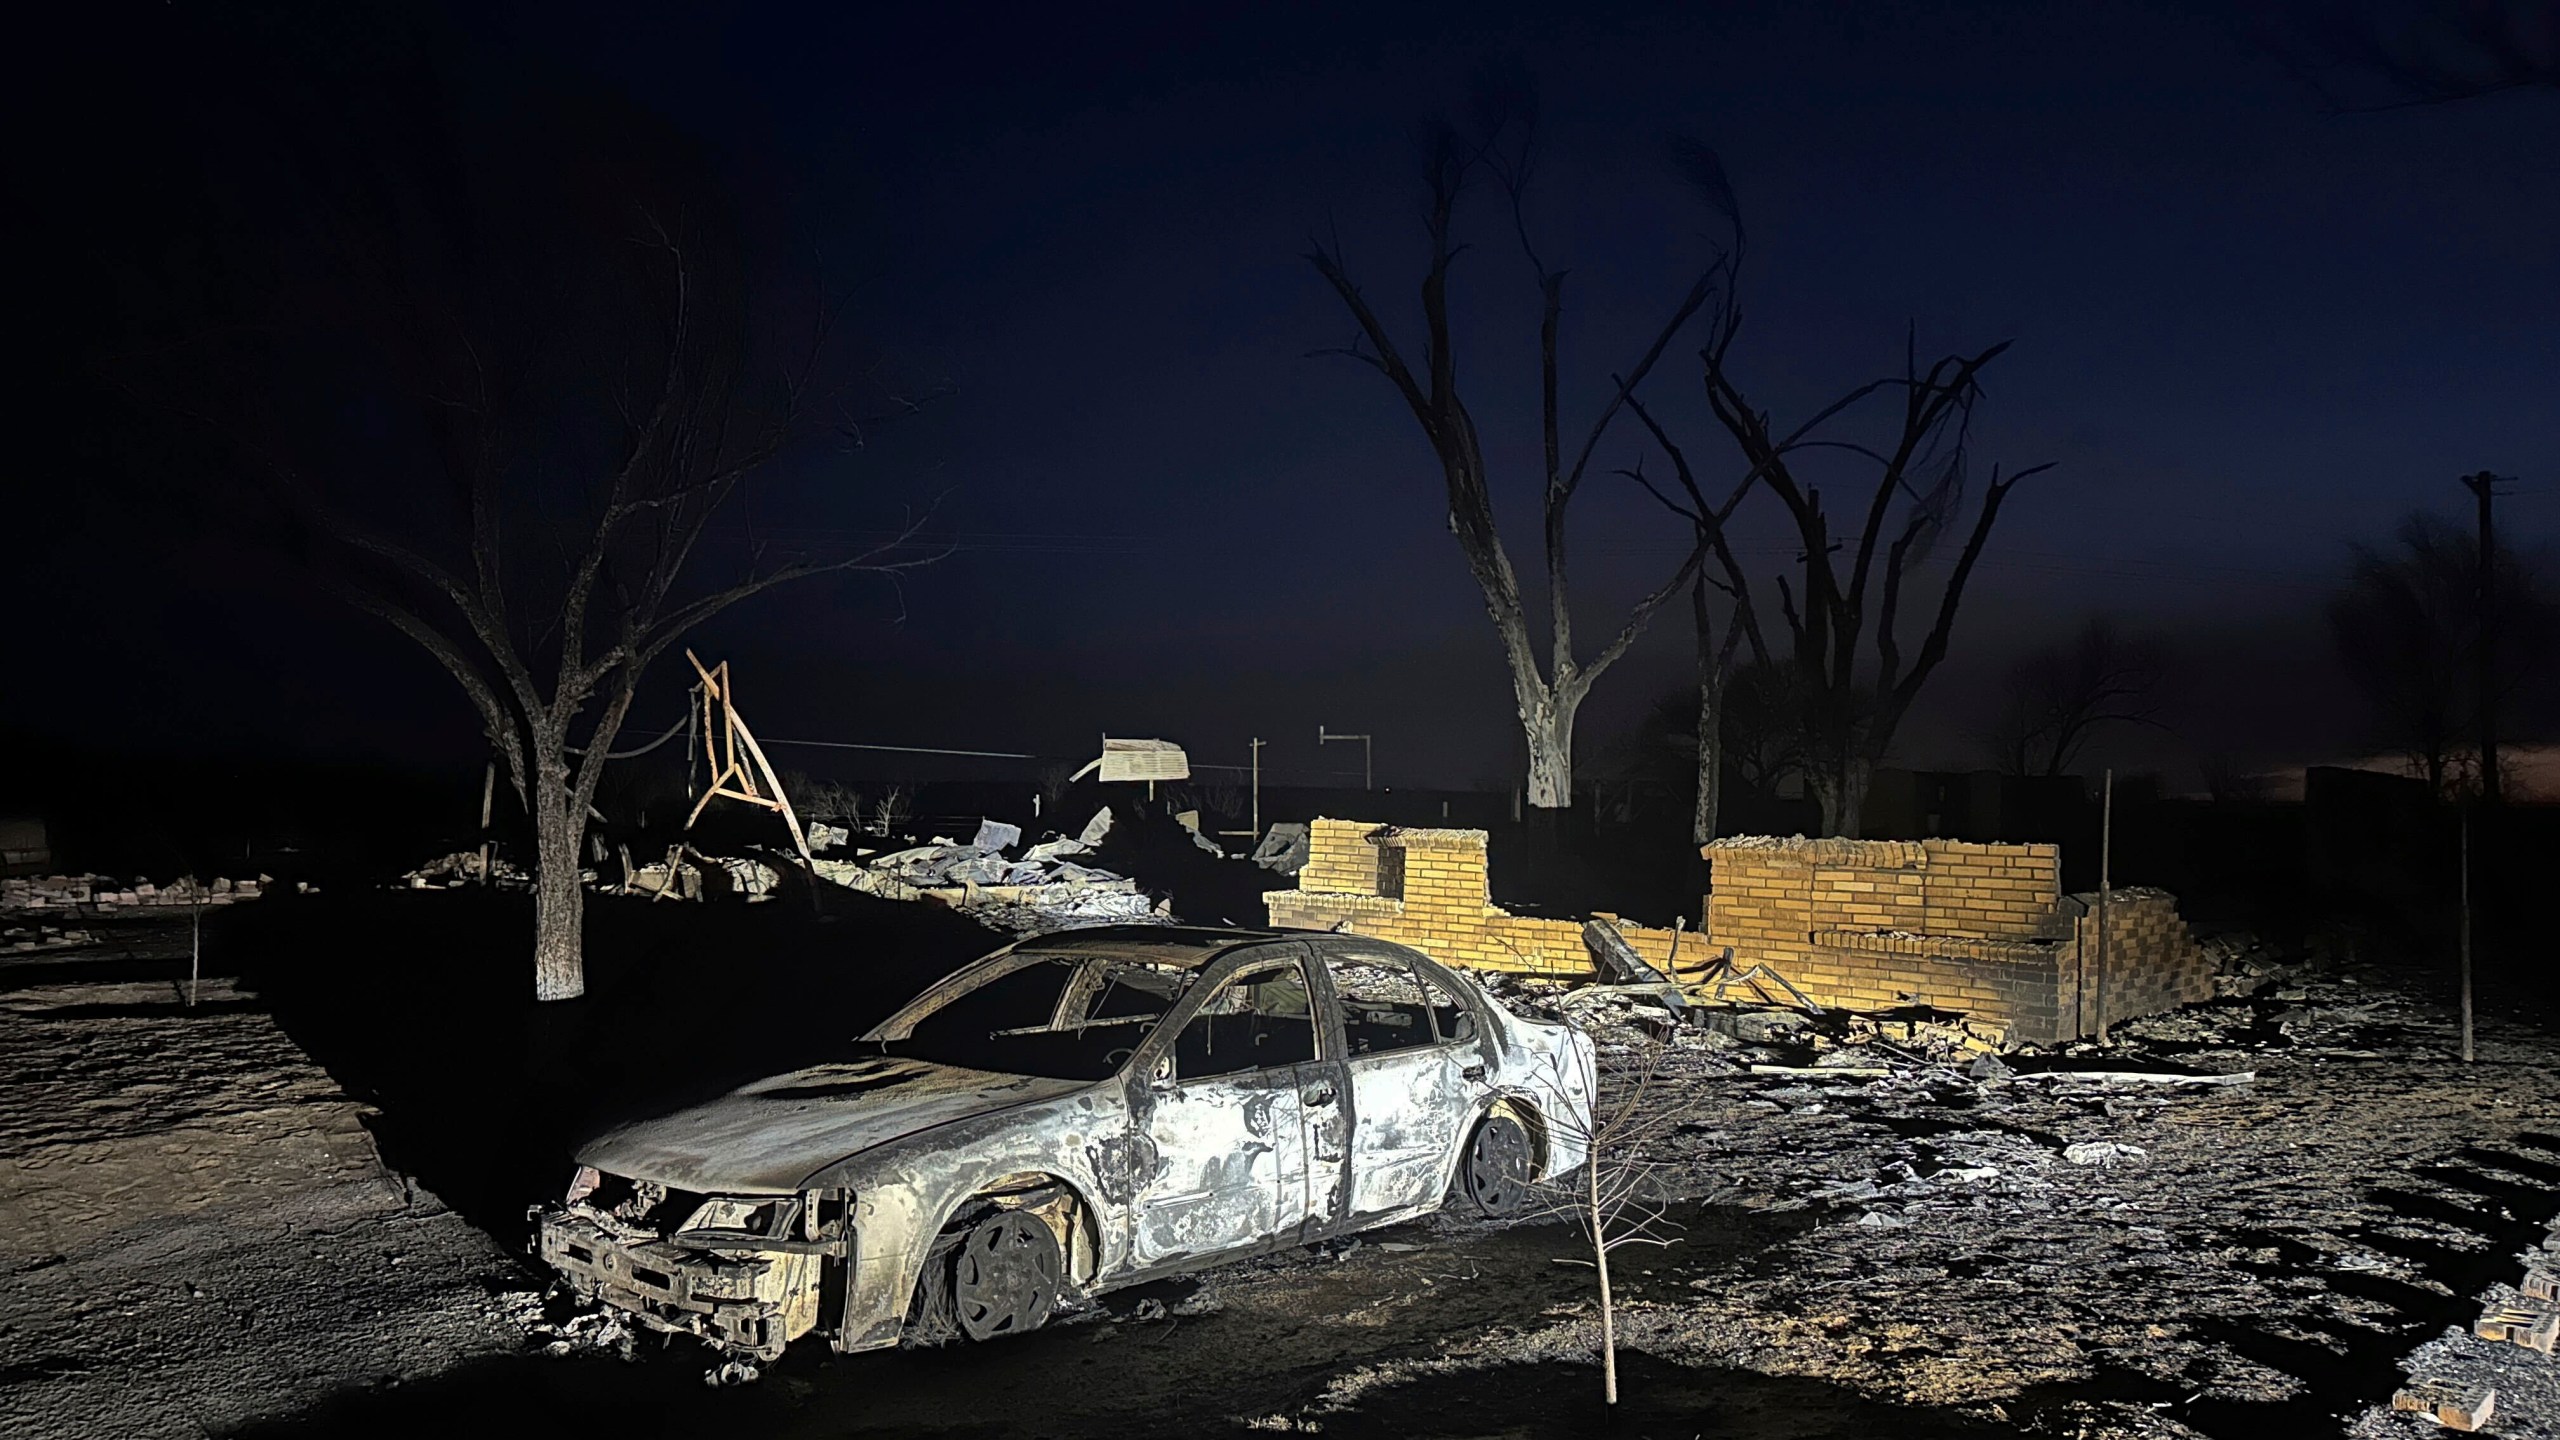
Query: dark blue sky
x,y
2248,330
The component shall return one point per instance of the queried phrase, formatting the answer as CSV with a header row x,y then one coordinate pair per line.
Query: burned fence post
x,y
2106,884
2464,884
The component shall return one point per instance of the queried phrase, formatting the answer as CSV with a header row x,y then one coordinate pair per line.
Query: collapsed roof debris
x,y
71,892
1189,820
662,878
1096,828
1042,890
1283,849
464,867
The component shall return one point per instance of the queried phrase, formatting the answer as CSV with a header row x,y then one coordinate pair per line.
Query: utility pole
x,y
2106,887
2483,488
1326,737
1257,789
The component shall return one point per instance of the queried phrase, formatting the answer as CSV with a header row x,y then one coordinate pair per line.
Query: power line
x,y
907,749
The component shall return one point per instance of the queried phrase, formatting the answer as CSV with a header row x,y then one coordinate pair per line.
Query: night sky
x,y
2249,331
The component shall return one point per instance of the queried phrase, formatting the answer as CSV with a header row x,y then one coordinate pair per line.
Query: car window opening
x,y
1259,1020
1066,1017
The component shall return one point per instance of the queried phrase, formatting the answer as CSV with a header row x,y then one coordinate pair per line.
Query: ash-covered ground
x,y
203,1234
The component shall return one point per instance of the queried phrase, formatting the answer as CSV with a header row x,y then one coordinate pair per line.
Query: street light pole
x,y
1325,737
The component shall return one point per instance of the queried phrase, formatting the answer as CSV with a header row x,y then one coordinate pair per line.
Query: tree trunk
x,y
1547,724
559,901
1702,825
1712,668
1608,1311
1841,789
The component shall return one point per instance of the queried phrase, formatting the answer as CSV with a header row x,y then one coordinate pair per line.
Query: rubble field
x,y
2257,1216
2266,1215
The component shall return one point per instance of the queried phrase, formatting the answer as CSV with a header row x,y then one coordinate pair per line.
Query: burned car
x,y
1073,1113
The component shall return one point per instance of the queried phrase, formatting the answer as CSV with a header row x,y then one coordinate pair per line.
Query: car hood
x,y
769,1136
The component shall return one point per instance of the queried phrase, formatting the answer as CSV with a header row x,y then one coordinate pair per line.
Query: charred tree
x,y
1844,703
2053,702
1548,692
1715,659
2413,635
1850,593
540,323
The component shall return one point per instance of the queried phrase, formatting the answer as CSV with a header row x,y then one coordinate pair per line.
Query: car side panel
x,y
1222,1145
1411,1105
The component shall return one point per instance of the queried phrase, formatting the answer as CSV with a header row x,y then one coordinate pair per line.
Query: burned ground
x,y
1924,1252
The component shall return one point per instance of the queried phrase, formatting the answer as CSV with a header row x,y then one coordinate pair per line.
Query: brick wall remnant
x,y
1983,928
1854,924
1430,889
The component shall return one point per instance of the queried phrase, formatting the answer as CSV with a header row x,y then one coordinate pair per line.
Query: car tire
x,y
1494,1173
1005,1276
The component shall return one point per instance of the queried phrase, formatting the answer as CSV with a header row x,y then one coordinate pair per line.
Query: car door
x,y
1222,1110
1410,1092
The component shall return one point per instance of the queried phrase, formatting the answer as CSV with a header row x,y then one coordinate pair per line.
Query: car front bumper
x,y
739,1301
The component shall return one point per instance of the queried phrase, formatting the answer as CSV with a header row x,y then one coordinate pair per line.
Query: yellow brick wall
x,y
1431,889
1857,924
1773,892
1340,858
1977,927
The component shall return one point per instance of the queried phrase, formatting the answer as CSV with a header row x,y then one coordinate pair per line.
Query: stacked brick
x,y
1856,924
1980,928
1430,889
2153,963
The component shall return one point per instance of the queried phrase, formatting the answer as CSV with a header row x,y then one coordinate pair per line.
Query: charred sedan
x,y
1074,1113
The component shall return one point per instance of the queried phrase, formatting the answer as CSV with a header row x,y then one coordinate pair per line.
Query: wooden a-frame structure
x,y
729,747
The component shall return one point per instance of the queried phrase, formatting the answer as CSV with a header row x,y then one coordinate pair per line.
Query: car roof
x,y
1181,947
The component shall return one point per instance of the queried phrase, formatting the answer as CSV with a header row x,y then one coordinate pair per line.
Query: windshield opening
x,y
1067,1017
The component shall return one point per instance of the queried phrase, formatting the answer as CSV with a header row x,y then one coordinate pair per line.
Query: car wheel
x,y
1495,1177
1004,1278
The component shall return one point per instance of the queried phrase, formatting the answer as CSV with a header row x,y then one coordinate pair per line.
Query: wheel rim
x,y
1498,1166
1005,1279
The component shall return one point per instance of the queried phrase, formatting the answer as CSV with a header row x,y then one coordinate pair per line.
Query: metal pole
x,y
1257,789
1368,777
2466,935
2106,888
2483,486
488,796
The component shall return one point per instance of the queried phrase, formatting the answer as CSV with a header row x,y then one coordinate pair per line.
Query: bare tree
x,y
545,326
2054,701
1715,659
1548,693
2411,634
1623,1192
1848,704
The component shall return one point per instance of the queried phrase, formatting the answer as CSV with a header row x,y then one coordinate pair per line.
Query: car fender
x,y
907,1192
